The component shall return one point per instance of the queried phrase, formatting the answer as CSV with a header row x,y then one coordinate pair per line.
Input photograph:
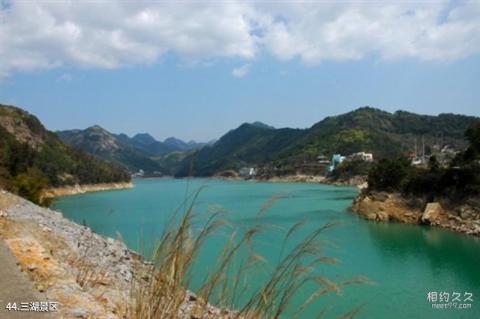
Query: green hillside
x,y
381,133
366,129
33,158
249,144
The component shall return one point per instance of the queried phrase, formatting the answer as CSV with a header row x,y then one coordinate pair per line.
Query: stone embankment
x,y
84,188
89,275
384,207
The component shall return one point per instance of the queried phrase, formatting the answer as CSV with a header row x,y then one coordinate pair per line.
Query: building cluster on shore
x,y
443,155
339,158
321,163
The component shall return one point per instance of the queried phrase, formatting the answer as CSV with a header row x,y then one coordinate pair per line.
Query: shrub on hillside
x,y
388,174
349,169
30,185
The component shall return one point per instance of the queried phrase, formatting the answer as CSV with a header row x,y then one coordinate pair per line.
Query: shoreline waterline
x,y
84,188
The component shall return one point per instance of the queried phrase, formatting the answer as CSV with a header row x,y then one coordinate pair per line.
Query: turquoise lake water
x,y
405,262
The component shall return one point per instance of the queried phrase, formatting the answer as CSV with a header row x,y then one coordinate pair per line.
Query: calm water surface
x,y
404,262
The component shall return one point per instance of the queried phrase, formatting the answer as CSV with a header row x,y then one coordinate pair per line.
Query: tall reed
x,y
159,289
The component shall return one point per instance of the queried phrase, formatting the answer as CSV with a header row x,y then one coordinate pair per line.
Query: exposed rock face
x,y
358,180
432,213
16,122
385,207
96,139
393,207
227,174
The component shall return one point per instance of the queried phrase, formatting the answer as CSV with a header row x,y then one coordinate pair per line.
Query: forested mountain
x,y
366,129
33,158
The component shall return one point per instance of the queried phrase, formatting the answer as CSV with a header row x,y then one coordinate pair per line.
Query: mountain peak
x,y
144,138
96,128
256,124
368,109
179,144
173,139
262,125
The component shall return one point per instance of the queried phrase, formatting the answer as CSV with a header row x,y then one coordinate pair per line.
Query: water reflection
x,y
442,249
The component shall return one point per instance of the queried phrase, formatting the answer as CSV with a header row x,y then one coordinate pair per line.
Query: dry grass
x,y
158,290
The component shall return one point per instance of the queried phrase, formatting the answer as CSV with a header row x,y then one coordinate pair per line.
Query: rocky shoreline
x,y
89,275
84,188
386,207
298,178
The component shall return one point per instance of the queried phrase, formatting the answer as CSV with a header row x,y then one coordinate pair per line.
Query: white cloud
x,y
241,71
111,34
391,30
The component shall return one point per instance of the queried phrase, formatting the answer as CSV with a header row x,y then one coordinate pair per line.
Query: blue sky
x,y
275,69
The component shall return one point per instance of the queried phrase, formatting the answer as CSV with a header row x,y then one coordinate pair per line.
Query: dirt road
x,y
15,287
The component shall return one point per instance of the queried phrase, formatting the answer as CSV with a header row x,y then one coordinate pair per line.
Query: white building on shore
x,y
247,172
366,157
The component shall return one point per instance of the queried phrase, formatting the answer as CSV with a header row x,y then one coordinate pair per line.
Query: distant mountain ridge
x,y
143,139
140,152
281,150
180,145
